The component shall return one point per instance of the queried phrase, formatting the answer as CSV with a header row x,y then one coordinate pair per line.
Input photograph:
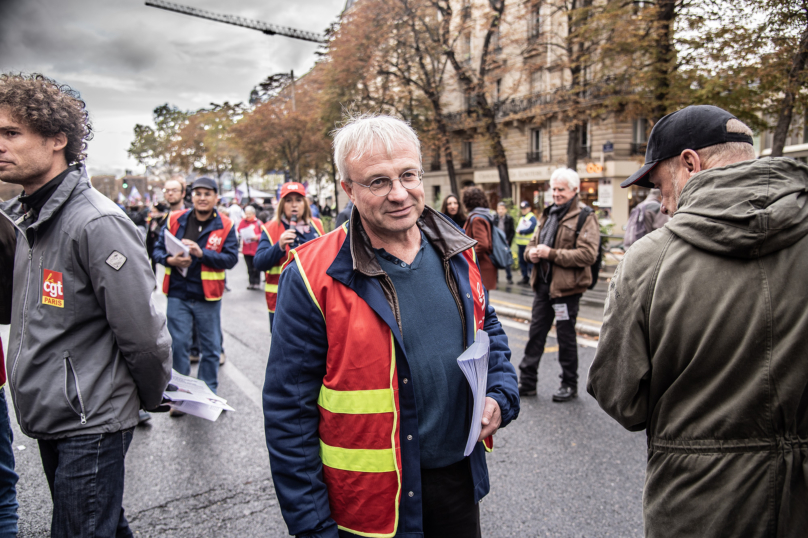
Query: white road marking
x,y
243,382
526,326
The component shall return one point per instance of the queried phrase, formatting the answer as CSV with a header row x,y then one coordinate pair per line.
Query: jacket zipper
x,y
69,363
24,316
456,295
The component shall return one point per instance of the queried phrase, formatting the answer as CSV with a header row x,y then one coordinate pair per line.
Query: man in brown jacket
x,y
561,273
705,333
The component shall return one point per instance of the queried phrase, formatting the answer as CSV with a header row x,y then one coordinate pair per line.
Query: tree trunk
x,y
247,184
447,149
336,185
787,104
666,13
573,138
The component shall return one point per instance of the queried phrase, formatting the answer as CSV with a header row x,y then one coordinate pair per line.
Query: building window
x,y
586,141
534,155
436,195
534,24
434,166
465,49
494,44
498,91
466,154
537,81
805,129
639,136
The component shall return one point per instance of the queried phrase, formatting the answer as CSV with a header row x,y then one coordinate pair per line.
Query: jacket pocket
x,y
70,371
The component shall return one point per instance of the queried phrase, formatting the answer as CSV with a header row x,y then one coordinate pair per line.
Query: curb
x,y
583,328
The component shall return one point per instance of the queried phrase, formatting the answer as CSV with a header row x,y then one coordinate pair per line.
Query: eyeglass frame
x,y
392,180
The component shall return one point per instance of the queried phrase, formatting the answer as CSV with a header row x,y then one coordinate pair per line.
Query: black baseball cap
x,y
524,204
206,183
694,127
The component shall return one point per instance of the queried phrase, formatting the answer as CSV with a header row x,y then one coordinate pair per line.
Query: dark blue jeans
x,y
86,474
181,317
8,478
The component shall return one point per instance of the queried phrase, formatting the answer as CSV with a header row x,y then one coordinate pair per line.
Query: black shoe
x,y
525,282
565,394
525,391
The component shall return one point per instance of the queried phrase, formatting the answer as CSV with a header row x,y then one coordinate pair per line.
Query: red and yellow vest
x,y
359,402
274,229
212,279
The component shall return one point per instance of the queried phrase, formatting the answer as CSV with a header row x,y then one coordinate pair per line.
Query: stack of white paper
x,y
194,397
174,247
248,233
474,363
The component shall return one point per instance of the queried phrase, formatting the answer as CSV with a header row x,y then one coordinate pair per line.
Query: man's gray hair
x,y
729,152
361,134
569,175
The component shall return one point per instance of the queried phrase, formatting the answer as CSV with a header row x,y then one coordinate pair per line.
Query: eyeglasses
x,y
381,186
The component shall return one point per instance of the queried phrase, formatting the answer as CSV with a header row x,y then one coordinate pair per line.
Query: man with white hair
x,y
564,246
367,413
705,333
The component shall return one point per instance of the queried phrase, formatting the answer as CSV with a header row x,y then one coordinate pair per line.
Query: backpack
x,y
501,255
639,224
595,267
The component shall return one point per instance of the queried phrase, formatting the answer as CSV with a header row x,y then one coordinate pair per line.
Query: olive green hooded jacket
x,y
705,346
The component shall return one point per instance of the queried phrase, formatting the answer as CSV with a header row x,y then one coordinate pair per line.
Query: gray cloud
x,y
126,58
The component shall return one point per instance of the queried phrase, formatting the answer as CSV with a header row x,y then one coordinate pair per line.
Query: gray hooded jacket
x,y
87,347
705,347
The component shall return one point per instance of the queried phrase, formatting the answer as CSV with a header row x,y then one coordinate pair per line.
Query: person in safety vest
x,y
292,226
367,414
524,231
194,298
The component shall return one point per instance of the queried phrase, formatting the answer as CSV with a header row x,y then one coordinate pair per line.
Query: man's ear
x,y
691,161
59,142
348,188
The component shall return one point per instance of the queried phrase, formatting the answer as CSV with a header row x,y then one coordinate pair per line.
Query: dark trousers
x,y
447,504
85,475
524,266
252,272
540,325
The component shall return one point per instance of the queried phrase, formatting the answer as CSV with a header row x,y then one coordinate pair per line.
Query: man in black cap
x,y
194,280
705,331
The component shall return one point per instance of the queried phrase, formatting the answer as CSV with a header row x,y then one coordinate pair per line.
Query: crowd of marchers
x,y
366,412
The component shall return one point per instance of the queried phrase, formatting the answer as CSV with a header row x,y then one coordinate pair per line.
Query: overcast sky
x,y
126,58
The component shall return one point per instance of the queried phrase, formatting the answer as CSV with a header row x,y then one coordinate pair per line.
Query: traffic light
x,y
125,185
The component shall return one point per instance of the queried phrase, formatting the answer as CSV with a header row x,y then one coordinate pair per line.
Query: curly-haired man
x,y
87,347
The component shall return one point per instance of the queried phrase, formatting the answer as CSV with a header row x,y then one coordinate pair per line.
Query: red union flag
x,y
53,289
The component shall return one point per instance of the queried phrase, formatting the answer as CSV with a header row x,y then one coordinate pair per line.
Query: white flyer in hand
x,y
176,247
474,363
248,233
193,396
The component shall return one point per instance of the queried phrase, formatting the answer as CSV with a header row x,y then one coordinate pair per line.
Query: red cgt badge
x,y
53,289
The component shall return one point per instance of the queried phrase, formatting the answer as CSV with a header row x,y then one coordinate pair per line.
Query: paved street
x,y
562,470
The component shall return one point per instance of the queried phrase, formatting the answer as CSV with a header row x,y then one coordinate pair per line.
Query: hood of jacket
x,y
744,210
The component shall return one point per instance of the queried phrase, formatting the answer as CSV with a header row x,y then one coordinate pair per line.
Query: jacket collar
x,y
76,180
575,208
357,253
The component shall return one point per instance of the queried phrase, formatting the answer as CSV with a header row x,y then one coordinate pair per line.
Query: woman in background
x,y
451,208
479,227
250,245
292,226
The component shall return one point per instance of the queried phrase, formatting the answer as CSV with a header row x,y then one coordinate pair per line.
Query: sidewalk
x,y
515,301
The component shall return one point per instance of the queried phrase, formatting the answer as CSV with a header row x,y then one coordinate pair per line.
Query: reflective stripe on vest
x,y
524,239
358,401
212,278
274,229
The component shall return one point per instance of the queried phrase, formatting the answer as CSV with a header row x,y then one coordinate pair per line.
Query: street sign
x,y
608,147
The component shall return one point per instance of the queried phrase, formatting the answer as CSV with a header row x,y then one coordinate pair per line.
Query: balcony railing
x,y
585,152
534,156
465,163
434,166
465,13
638,148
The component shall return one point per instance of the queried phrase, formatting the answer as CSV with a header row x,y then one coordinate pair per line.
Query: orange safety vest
x,y
358,402
212,279
274,229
